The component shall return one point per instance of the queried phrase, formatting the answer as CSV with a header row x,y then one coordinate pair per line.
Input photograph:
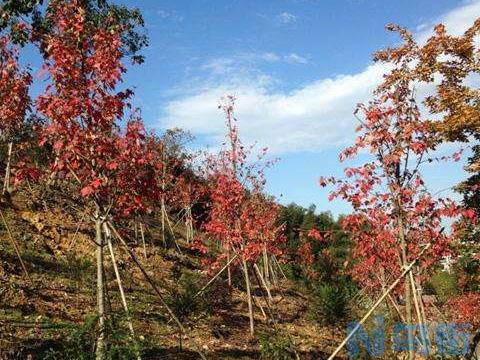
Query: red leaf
x,y
96,183
87,191
470,214
58,145
112,165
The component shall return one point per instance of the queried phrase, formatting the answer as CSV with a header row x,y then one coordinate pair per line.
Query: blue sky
x,y
297,67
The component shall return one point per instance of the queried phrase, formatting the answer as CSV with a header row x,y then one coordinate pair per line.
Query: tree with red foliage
x,y
188,192
171,166
447,63
14,99
175,178
133,188
394,216
312,242
113,169
464,309
242,219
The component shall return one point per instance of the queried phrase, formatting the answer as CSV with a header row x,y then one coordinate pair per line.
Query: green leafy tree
x,y
28,20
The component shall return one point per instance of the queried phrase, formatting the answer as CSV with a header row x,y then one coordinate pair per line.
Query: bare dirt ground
x,y
59,256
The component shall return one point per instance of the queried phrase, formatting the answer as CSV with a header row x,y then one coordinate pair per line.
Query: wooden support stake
x,y
171,231
155,288
257,303
215,277
419,314
119,283
15,246
264,283
72,242
377,303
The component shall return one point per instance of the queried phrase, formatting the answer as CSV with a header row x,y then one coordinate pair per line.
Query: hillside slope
x,y
56,311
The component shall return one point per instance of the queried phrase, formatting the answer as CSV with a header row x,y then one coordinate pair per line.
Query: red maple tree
x,y
394,215
114,169
241,218
14,103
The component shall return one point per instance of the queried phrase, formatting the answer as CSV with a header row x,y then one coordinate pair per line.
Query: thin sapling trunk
x,y
119,283
100,351
249,296
6,182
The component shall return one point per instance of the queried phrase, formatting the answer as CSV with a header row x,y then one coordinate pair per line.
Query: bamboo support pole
x,y
419,314
376,304
155,288
264,283
215,277
16,247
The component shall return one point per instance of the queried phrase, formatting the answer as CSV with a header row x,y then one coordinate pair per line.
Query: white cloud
x,y
456,21
309,118
286,18
312,117
292,58
295,59
219,65
163,14
242,61
270,57
172,15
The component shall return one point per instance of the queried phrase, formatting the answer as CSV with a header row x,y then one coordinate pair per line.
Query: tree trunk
x,y
189,224
135,230
162,210
162,200
249,295
6,182
408,295
408,307
100,351
142,234
229,273
273,275
266,274
421,322
119,283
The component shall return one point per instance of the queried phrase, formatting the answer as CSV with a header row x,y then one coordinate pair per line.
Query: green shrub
x,y
78,267
276,347
329,303
444,285
182,300
79,343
